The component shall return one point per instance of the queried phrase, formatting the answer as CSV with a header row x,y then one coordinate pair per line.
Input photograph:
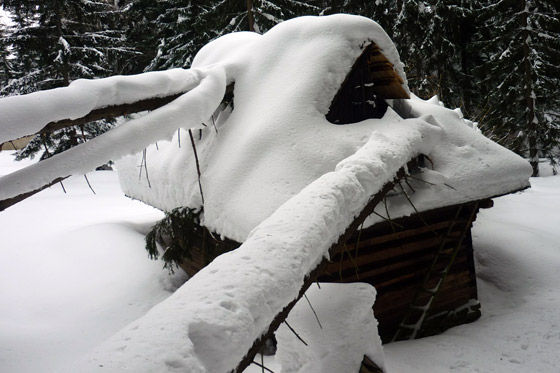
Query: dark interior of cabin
x,y
371,81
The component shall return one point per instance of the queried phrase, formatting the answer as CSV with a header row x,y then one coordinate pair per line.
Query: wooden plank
x,y
386,253
375,239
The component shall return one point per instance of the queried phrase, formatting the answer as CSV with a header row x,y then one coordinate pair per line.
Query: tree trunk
x,y
529,95
250,17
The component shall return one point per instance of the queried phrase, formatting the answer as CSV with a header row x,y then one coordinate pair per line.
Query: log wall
x,y
395,256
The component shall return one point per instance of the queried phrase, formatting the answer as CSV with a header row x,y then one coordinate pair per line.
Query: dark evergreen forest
x,y
496,60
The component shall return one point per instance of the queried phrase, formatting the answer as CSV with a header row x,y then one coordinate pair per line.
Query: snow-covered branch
x,y
188,111
35,112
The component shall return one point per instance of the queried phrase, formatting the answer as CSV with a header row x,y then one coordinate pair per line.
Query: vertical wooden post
x,y
250,17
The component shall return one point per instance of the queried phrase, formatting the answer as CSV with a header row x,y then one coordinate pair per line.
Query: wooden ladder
x,y
424,299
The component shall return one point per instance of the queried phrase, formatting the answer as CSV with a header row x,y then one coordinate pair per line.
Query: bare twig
x,y
48,156
89,185
262,366
412,204
296,334
418,179
449,186
359,239
391,223
410,186
315,313
145,163
356,269
62,185
197,166
214,124
388,219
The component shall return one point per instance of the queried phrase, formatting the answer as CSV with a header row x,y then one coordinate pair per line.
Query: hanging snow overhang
x,y
372,80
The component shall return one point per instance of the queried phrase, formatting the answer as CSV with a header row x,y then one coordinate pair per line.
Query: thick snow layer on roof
x,y
210,323
463,166
277,140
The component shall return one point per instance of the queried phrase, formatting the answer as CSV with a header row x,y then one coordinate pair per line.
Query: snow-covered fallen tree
x,y
210,323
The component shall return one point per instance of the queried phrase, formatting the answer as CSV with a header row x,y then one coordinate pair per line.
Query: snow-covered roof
x,y
276,139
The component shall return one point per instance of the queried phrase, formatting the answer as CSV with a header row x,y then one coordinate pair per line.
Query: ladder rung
x,y
408,326
429,291
420,308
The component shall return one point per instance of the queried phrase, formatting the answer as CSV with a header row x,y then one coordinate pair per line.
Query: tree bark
x,y
250,16
529,95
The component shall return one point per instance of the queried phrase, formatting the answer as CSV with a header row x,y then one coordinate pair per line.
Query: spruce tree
x,y
382,11
55,42
58,41
410,38
183,28
257,15
521,50
5,60
444,49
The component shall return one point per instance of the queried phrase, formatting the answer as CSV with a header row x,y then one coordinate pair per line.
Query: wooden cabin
x,y
420,260
422,266
403,259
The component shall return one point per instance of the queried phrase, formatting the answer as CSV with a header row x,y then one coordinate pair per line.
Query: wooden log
x,y
4,204
368,366
313,275
110,112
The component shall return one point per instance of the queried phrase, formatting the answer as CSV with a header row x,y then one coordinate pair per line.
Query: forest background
x,y
495,60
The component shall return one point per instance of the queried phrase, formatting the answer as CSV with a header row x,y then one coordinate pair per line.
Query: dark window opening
x,y
363,94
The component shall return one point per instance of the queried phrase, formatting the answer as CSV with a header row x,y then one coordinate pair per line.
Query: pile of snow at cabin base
x,y
74,272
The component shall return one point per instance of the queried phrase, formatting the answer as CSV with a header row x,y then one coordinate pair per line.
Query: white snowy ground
x,y
73,271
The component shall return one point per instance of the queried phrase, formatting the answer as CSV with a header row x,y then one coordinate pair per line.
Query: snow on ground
x,y
517,251
74,272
